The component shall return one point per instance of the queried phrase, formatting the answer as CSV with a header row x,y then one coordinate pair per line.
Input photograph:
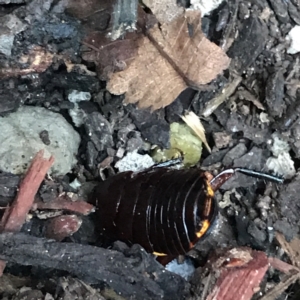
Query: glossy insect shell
x,y
166,211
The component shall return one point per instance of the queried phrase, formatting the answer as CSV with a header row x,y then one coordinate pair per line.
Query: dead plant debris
x,y
15,216
193,121
155,66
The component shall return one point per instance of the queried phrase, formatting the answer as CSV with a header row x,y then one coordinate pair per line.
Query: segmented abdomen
x,y
160,209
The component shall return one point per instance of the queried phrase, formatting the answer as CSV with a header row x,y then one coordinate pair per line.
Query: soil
x,y
241,132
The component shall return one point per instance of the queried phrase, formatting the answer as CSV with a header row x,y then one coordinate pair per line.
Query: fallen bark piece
x,y
110,56
132,273
166,58
60,227
14,217
64,203
234,275
241,275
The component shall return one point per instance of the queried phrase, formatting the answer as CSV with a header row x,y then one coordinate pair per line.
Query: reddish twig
x,y
239,275
15,215
65,203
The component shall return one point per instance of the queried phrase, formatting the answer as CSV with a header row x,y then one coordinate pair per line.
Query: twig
x,y
214,103
64,203
134,274
275,292
14,217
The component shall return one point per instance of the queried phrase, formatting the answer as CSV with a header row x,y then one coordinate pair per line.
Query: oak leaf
x,y
166,57
169,59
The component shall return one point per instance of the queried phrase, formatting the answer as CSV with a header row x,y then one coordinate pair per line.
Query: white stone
x,y
77,114
20,140
134,162
205,6
294,37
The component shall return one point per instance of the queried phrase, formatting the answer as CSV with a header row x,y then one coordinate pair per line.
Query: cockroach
x,y
166,211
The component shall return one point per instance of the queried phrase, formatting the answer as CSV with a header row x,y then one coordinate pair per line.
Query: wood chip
x,y
239,273
14,217
281,265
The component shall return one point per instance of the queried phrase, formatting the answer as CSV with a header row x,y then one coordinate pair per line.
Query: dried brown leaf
x,y
191,54
110,56
149,80
171,57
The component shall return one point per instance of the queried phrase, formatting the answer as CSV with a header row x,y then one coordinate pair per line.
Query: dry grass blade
x,y
228,90
193,121
292,249
281,286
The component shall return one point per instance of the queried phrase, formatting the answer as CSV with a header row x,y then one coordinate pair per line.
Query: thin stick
x,y
15,215
214,103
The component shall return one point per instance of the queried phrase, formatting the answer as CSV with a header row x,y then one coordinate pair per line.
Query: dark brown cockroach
x,y
164,210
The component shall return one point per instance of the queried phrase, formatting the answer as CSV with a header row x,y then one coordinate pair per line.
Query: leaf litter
x,y
153,65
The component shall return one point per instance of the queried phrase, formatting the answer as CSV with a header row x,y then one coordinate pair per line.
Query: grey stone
x,y
10,25
236,152
20,140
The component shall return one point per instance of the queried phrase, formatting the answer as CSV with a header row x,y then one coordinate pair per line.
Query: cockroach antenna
x,y
257,174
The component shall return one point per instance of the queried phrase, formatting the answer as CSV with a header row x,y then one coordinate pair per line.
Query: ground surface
x,y
257,127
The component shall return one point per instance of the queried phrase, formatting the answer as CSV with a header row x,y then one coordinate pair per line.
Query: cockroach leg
x,y
208,176
168,163
221,178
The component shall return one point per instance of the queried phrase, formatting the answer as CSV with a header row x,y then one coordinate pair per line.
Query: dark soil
x,y
251,210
